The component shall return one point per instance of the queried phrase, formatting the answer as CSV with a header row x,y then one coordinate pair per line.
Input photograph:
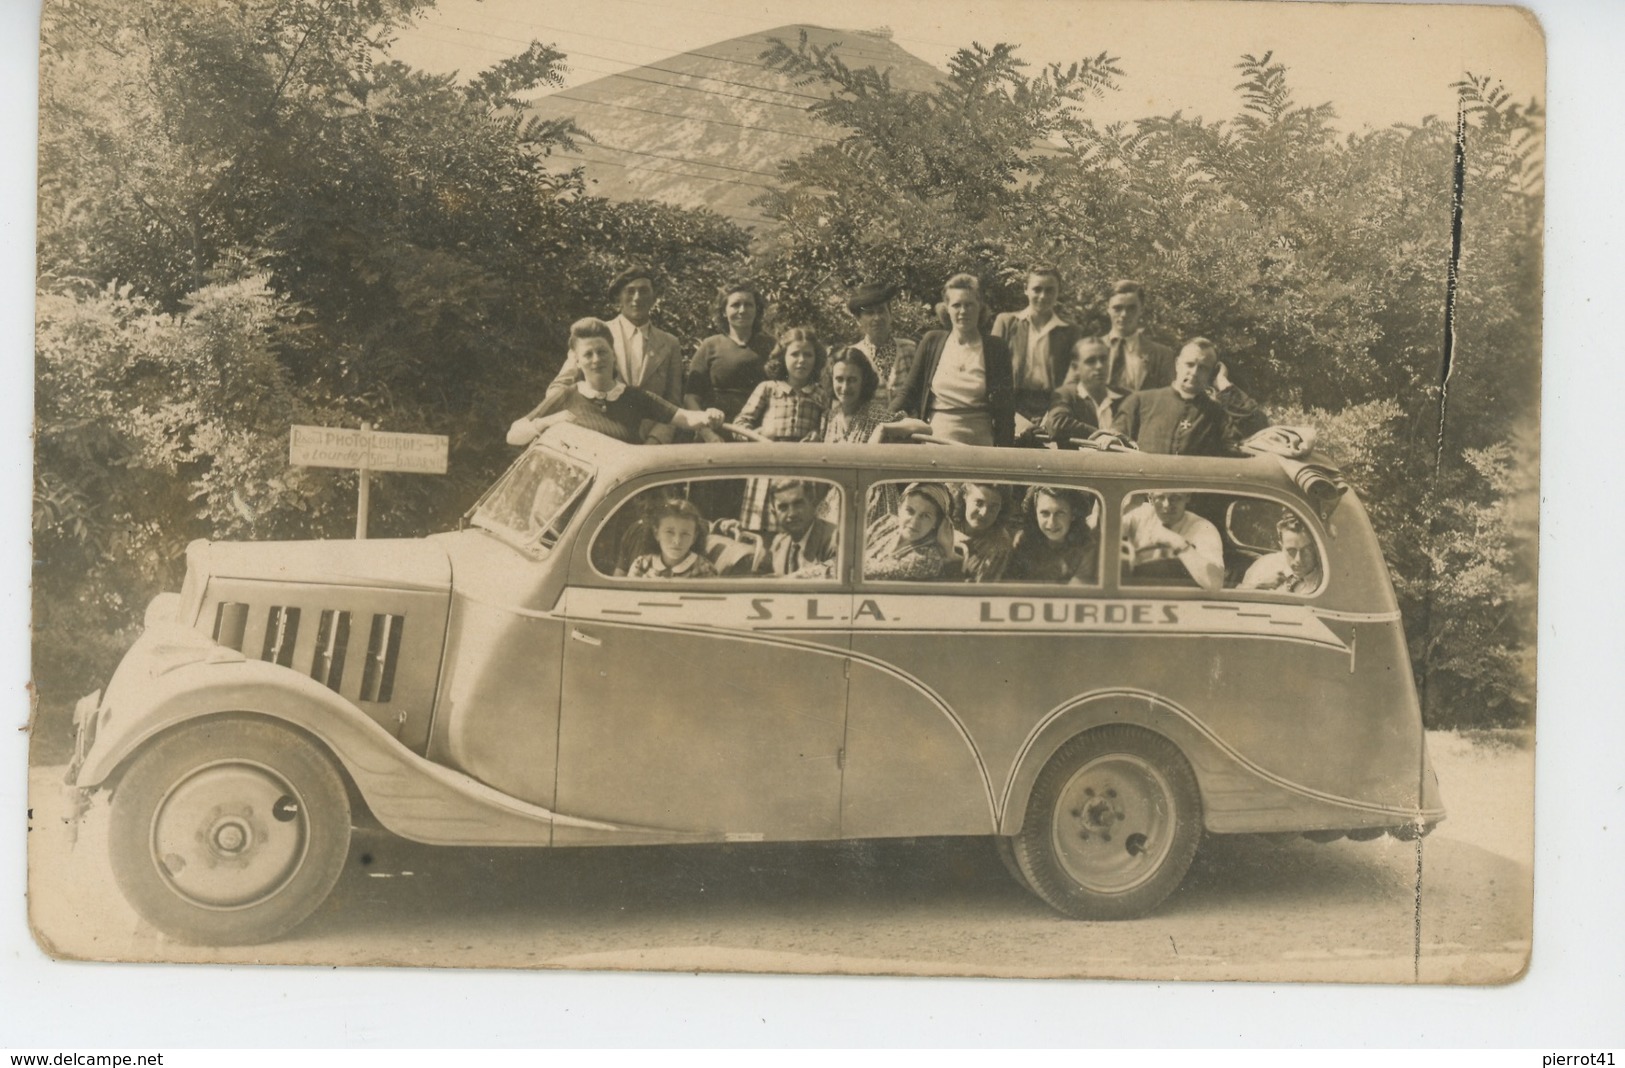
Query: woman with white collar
x,y
600,402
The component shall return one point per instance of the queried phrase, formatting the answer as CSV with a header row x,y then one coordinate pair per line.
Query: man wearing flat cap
x,y
645,355
870,305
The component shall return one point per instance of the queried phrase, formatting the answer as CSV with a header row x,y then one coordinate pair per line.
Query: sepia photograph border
x,y
1577,865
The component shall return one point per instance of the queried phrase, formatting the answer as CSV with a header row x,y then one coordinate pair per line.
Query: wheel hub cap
x,y
229,835
1114,823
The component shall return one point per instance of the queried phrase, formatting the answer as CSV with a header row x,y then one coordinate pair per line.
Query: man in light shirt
x,y
1040,344
645,355
1294,569
1166,545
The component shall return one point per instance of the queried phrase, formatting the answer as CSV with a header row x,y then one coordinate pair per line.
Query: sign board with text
x,y
372,450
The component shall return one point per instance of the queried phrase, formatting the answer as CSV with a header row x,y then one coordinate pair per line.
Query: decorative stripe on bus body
x,y
1208,733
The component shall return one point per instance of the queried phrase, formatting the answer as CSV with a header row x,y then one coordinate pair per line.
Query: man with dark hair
x,y
1136,361
1294,569
645,356
1201,414
1086,403
1040,344
803,540
870,305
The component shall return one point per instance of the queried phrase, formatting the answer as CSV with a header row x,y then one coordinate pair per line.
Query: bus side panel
x,y
498,714
1285,714
909,767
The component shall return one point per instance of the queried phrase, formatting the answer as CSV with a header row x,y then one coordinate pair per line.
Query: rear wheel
x,y
229,831
1112,824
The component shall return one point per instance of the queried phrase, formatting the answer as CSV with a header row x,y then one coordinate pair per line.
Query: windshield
x,y
530,506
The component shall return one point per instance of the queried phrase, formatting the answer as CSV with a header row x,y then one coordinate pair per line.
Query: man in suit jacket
x,y
803,540
1085,403
645,355
1137,362
1040,344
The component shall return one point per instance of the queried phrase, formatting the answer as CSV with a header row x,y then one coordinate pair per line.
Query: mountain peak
x,y
709,126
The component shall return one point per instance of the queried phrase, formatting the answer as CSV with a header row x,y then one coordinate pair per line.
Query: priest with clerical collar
x,y
1201,414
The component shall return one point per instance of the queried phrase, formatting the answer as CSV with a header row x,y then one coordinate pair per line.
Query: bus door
x,y
705,695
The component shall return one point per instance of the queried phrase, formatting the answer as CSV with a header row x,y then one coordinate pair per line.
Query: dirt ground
x,y
1249,908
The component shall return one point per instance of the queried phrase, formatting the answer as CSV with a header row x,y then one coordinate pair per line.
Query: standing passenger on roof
x,y
1135,361
854,410
1201,414
1086,403
645,355
1040,344
961,379
598,402
728,364
891,356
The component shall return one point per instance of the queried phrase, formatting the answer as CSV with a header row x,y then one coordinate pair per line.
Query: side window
x,y
981,532
726,528
1212,541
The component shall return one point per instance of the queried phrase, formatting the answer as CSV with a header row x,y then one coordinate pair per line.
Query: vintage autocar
x,y
525,681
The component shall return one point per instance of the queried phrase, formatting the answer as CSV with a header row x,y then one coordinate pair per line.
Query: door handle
x,y
577,635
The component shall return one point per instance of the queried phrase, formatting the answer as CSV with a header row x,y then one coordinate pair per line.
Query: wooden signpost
x,y
367,450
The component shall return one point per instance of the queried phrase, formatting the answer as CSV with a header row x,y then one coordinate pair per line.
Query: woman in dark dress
x,y
730,364
961,381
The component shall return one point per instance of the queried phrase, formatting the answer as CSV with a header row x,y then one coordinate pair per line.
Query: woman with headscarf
x,y
915,543
961,380
729,364
1055,543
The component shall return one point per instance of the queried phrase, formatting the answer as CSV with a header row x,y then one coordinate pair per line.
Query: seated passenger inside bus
x,y
679,531
916,542
982,540
1055,543
1295,568
1165,544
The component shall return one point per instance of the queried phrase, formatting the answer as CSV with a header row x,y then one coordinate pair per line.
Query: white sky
x,y
1378,63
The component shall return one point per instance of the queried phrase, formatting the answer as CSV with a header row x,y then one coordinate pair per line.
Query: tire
x,y
229,831
1004,846
1112,825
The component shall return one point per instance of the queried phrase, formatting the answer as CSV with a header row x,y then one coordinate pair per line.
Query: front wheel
x,y
1112,824
229,831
